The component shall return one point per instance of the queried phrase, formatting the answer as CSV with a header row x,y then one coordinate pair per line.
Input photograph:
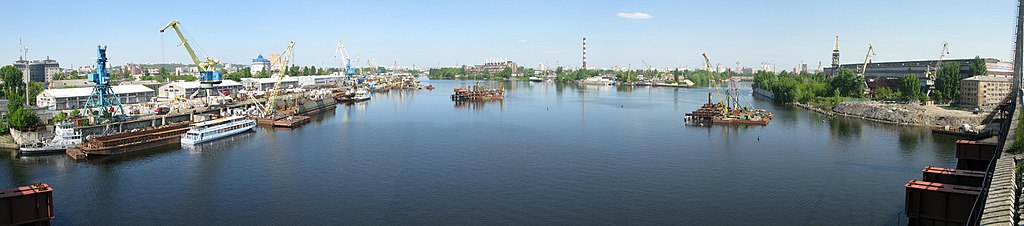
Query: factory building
x,y
899,68
491,66
75,98
186,89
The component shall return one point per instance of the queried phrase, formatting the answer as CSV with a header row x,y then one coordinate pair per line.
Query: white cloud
x,y
635,16
522,40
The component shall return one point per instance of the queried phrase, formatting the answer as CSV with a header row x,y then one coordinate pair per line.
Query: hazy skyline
x,y
662,33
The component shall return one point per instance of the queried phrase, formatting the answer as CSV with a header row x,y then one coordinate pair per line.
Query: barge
x,y
477,93
128,142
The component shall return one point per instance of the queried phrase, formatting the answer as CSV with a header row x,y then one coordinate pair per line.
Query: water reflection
x,y
478,105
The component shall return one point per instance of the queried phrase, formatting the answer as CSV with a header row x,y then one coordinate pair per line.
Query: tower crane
x,y
344,59
270,107
207,76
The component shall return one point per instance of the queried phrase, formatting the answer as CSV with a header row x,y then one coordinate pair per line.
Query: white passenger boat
x,y
217,128
65,136
536,79
361,95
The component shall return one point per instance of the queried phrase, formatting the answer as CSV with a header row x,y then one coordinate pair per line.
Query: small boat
x,y
217,128
361,95
65,136
536,79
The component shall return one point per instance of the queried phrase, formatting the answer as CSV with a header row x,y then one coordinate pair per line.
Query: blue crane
x,y
103,97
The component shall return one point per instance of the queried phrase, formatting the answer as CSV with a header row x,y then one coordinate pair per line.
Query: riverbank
x,y
898,114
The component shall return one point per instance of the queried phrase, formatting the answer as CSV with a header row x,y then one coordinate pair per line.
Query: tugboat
x,y
65,136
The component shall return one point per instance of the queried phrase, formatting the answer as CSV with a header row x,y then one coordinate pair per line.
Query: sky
x,y
660,34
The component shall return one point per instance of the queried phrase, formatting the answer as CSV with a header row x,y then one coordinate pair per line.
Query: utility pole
x,y
28,70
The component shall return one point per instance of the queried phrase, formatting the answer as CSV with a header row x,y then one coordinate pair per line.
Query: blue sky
x,y
784,33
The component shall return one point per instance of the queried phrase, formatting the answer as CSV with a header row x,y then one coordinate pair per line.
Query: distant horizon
x,y
661,34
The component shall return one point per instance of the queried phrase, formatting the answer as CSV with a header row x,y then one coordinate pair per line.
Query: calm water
x,y
548,154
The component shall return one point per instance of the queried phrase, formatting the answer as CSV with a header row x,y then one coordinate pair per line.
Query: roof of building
x,y
260,59
86,91
989,78
271,79
193,85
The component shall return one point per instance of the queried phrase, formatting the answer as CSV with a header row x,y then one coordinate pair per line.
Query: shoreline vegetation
x,y
700,78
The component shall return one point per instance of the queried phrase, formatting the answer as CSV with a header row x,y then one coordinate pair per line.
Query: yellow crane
x,y
938,64
207,76
707,66
864,68
269,108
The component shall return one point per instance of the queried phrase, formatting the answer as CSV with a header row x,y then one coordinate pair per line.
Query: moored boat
x,y
217,128
65,136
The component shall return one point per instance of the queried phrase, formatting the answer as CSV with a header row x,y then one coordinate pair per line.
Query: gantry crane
x,y
344,59
103,97
207,76
270,107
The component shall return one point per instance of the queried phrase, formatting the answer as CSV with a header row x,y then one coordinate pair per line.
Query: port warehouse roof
x,y
86,91
193,85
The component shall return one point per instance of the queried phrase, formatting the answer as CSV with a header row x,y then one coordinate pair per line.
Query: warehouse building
x,y
75,98
186,89
265,84
321,80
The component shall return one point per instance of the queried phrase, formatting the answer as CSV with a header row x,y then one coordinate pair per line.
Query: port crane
x,y
864,68
103,97
938,64
269,107
207,76
344,59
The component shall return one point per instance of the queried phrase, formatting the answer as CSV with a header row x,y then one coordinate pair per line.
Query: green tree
x,y
74,113
22,118
910,87
13,82
947,82
60,116
34,88
978,66
848,84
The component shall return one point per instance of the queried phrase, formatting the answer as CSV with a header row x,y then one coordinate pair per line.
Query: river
x,y
547,154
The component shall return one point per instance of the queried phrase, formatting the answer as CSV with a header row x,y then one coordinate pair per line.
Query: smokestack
x,y
584,53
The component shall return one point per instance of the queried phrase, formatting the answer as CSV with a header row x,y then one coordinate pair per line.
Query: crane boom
x,y
707,66
269,108
207,77
864,68
203,66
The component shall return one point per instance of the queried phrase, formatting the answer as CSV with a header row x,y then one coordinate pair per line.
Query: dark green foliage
x,y
978,66
947,83
910,87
